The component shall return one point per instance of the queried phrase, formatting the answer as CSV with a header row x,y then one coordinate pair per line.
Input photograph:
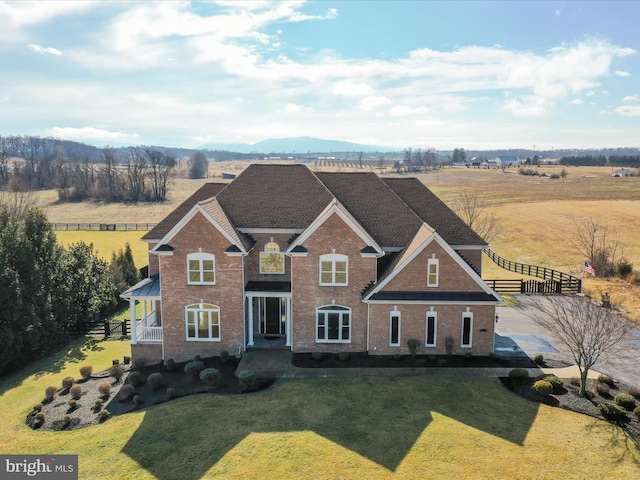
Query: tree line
x,y
49,291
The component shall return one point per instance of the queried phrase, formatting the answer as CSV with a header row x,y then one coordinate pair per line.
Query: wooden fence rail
x,y
554,280
104,226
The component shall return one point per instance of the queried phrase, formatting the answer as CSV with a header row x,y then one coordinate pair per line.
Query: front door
x,y
273,316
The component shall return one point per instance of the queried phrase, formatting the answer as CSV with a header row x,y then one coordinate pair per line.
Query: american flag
x,y
589,269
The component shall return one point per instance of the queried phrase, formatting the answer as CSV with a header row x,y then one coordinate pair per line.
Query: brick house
x,y
283,256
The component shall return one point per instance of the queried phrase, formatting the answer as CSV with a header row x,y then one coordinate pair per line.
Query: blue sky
x,y
422,74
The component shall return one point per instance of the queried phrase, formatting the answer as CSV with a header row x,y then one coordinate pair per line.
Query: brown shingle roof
x,y
375,206
434,211
207,190
274,196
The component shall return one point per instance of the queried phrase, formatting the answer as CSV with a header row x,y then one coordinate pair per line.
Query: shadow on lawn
x,y
380,419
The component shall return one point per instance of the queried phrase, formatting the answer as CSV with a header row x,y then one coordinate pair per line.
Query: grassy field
x,y
362,428
105,243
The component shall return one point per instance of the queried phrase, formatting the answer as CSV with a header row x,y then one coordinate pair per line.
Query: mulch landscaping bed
x,y
568,398
86,413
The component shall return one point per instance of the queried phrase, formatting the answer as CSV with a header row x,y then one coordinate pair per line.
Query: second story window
x,y
271,259
333,269
201,269
432,272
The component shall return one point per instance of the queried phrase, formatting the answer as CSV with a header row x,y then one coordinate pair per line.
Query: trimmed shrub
x,y
224,357
626,401
194,368
343,356
98,404
539,359
105,389
139,363
211,377
624,268
104,414
635,392
67,382
37,407
126,392
636,412
519,375
197,358
66,421
542,388
413,344
73,404
116,371
170,365
611,411
40,418
126,360
246,379
155,381
49,392
607,379
555,382
135,378
317,356
86,371
137,400
602,389
75,392
171,393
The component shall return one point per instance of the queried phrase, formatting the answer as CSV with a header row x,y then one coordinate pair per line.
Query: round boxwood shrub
x,y
171,393
539,359
211,377
555,382
49,392
343,356
138,400
116,371
75,392
37,407
126,392
104,414
635,392
224,357
73,404
317,356
40,418
86,371
135,378
194,368
519,375
155,381
170,365
542,388
636,412
246,379
67,382
603,389
625,400
614,412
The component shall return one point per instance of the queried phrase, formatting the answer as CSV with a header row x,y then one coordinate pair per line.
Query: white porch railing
x,y
148,334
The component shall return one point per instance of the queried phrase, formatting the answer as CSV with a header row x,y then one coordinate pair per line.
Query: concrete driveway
x,y
517,334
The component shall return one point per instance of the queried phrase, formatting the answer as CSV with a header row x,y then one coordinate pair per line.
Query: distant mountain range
x,y
299,145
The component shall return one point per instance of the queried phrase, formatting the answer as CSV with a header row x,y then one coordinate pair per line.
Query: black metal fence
x,y
104,226
555,281
101,328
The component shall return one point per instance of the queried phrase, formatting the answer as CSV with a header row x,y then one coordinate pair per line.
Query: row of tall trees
x,y
418,159
48,291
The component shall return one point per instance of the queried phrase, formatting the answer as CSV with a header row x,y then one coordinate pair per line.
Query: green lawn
x,y
105,243
324,428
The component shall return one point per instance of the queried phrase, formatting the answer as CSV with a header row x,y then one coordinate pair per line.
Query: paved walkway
x,y
277,363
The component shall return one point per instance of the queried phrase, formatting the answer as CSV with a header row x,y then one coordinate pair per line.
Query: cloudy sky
x,y
417,74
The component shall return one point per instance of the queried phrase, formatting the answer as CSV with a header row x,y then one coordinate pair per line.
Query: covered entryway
x,y
268,314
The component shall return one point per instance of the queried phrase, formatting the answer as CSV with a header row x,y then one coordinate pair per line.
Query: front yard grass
x,y
445,428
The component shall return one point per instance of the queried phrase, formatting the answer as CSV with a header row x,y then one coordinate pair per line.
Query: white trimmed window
x,y
431,337
333,324
201,269
271,259
394,328
432,272
203,322
467,330
333,269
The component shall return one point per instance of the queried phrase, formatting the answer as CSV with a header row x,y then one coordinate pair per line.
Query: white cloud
x,y
631,98
577,101
349,88
629,110
620,73
373,102
90,133
39,49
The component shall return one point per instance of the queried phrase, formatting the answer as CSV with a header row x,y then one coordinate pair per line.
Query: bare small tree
x,y
599,245
476,213
589,332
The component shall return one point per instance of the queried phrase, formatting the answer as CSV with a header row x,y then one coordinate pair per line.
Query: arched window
x,y
333,324
334,269
201,269
203,322
271,259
